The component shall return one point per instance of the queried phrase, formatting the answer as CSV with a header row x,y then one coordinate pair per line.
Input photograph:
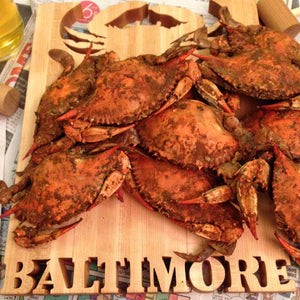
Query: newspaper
x,y
15,73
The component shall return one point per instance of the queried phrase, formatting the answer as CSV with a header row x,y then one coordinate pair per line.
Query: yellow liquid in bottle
x,y
11,29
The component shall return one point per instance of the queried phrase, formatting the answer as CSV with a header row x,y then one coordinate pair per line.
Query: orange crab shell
x,y
286,194
260,73
63,185
63,94
240,38
164,185
129,90
276,127
188,133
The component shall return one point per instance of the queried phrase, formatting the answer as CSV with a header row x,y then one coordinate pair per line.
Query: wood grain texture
x,y
9,100
276,15
243,11
118,233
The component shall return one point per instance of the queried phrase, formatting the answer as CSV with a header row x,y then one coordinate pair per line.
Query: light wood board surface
x,y
116,233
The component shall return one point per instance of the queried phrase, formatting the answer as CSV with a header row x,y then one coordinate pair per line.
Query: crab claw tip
x,y
276,150
32,148
70,114
291,250
9,212
252,226
69,227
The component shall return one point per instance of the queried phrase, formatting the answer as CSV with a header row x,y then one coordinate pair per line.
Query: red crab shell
x,y
286,195
62,186
63,94
276,127
260,73
240,37
128,91
254,61
164,185
188,133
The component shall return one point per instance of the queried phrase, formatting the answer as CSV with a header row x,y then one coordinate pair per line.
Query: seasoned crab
x,y
168,188
253,60
62,186
65,93
188,133
286,195
128,91
260,73
275,127
191,134
278,130
240,37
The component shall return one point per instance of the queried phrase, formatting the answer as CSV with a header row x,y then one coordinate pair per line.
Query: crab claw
x,y
28,237
9,212
199,257
218,194
290,249
252,175
292,103
119,194
68,115
32,148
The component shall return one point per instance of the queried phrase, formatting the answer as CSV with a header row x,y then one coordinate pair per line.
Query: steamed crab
x,y
71,87
191,134
276,133
128,91
253,60
286,195
62,186
166,188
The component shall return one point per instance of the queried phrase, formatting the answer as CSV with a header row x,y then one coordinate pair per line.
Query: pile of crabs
x,y
167,129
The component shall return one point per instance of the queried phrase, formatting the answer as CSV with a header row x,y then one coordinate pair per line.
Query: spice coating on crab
x,y
253,60
240,37
260,73
128,91
286,195
62,186
188,133
276,127
60,96
166,188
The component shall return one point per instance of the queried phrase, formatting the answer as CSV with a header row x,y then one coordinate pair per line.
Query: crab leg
x,y
81,132
183,86
28,237
202,254
291,250
96,134
64,58
293,103
131,187
216,195
6,193
210,92
251,175
9,212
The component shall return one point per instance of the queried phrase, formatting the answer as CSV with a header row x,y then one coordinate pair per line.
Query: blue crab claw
x,y
200,256
290,249
292,103
252,176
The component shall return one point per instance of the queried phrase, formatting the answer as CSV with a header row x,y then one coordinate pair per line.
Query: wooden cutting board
x,y
117,234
